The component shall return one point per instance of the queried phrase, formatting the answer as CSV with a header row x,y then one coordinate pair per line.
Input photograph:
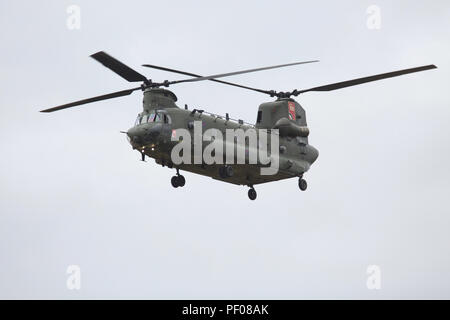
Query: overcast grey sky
x,y
73,192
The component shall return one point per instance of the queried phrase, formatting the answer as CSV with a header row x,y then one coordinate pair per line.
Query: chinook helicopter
x,y
161,118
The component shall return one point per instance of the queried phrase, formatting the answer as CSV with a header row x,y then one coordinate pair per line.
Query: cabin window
x,y
259,118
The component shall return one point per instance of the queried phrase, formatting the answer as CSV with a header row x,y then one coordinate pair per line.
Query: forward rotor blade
x,y
94,99
199,76
118,67
239,72
354,82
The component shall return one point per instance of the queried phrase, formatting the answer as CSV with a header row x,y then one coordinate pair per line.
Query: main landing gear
x,y
178,180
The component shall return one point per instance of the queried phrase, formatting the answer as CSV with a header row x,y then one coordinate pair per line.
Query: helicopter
x,y
161,119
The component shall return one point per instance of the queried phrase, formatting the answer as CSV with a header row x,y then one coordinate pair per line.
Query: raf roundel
x,y
291,106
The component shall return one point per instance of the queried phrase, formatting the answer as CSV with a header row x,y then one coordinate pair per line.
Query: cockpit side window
x,y
166,118
259,118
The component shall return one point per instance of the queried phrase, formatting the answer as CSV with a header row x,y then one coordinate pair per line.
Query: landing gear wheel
x,y
174,182
181,181
252,194
302,184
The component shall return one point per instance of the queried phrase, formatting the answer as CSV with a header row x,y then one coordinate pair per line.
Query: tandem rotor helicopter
x,y
161,117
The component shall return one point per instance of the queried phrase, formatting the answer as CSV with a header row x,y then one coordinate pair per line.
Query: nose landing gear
x,y
178,180
252,193
302,184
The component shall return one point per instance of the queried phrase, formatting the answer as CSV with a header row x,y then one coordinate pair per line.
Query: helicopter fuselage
x,y
160,120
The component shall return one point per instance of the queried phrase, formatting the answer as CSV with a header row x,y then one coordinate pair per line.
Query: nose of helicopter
x,y
143,134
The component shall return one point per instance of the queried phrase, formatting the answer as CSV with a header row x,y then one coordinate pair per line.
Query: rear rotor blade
x,y
118,67
199,76
354,82
89,100
239,72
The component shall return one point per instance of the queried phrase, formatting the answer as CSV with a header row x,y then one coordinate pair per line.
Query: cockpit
x,y
157,116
